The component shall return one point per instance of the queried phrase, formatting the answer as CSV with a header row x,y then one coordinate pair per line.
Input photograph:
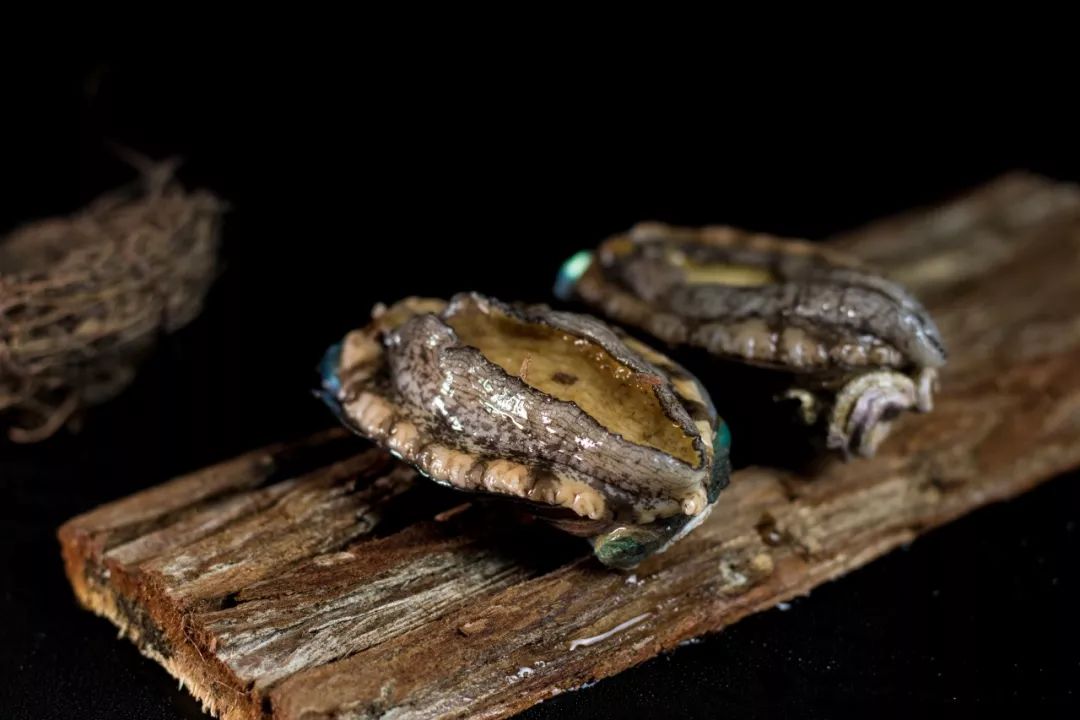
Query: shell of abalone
x,y
599,433
755,298
778,303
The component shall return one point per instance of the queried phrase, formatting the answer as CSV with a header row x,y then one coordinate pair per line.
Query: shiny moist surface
x,y
551,407
575,369
764,300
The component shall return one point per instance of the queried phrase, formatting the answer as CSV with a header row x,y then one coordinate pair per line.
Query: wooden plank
x,y
343,587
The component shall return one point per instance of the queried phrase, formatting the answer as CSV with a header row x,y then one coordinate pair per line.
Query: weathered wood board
x,y
317,580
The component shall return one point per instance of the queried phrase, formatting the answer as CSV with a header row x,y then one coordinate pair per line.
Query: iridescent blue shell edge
x,y
328,369
330,382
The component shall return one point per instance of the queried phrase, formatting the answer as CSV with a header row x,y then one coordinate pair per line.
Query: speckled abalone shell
x,y
755,298
601,434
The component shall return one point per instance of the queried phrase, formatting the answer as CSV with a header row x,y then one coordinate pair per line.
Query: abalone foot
x,y
863,412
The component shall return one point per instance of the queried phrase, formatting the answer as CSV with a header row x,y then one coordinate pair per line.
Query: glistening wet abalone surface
x,y
761,299
777,303
598,433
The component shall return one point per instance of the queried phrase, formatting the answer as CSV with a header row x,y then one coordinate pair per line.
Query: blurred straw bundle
x,y
83,298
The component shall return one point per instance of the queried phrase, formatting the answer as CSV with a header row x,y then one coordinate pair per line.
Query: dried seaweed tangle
x,y
82,298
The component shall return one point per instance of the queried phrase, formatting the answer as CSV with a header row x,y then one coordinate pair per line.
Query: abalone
x,y
599,434
861,347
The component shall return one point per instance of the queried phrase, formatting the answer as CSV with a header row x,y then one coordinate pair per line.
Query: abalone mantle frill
x,y
602,435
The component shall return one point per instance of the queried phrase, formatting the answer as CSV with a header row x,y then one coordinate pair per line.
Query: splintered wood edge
x,y
139,607
1008,418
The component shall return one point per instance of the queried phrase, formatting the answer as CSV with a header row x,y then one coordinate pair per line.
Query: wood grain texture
x,y
323,580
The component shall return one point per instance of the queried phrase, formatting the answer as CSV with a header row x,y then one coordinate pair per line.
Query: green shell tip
x,y
722,439
721,469
620,549
570,272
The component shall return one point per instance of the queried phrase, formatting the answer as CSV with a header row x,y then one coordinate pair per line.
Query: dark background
x,y
353,186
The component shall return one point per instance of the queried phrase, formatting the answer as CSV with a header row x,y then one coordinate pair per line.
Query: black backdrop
x,y
349,187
